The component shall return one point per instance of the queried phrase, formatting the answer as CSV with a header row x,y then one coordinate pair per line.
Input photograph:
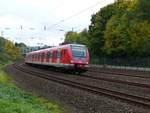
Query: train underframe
x,y
73,69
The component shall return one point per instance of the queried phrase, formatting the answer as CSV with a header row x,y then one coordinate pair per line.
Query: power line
x,y
82,11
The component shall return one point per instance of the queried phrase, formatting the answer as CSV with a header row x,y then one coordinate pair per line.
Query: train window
x,y
36,56
32,56
48,55
78,51
54,54
58,54
43,55
39,55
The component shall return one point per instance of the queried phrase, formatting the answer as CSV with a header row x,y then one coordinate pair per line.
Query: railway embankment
x,y
81,100
16,100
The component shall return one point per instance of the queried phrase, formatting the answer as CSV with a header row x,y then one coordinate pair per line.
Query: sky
x,y
45,22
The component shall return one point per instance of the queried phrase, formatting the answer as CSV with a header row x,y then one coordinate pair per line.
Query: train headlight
x,y
87,62
72,61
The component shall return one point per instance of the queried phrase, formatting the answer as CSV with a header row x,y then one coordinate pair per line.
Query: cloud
x,y
54,14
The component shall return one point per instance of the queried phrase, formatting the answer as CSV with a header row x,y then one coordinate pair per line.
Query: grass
x,y
15,100
4,58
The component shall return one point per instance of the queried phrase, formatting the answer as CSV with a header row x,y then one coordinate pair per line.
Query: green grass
x,y
4,78
4,58
15,100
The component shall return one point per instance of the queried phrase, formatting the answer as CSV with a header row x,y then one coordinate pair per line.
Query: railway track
x,y
137,84
119,81
93,89
120,73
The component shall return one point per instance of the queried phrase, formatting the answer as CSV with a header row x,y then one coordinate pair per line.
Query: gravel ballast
x,y
75,100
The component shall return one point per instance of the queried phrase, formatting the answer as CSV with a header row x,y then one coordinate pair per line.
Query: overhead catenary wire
x,y
46,27
76,14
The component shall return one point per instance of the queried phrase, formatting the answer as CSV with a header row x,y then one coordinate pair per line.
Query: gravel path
x,y
74,100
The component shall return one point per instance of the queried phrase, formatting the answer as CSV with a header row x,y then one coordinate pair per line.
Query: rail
x,y
115,94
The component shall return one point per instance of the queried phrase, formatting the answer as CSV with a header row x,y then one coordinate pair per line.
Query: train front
x,y
80,57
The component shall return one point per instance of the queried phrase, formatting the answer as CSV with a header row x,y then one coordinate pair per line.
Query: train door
x,y
64,56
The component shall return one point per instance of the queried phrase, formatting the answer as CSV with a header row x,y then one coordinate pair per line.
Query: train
x,y
68,57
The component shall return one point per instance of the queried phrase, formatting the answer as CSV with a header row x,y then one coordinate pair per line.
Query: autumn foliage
x,y
8,51
119,29
12,50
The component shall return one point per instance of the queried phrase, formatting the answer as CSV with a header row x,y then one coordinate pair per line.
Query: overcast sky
x,y
58,16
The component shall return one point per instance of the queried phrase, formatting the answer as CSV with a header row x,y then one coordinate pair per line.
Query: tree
x,y
11,50
2,43
22,45
83,37
142,9
72,37
97,28
140,38
127,35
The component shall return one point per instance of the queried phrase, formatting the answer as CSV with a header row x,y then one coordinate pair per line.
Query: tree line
x,y
119,29
9,51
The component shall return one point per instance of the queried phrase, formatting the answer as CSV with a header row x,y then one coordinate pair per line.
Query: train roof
x,y
61,46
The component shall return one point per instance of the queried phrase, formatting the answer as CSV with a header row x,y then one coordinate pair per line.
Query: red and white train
x,y
74,57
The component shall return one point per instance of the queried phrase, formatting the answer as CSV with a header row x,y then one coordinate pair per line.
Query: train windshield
x,y
79,51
